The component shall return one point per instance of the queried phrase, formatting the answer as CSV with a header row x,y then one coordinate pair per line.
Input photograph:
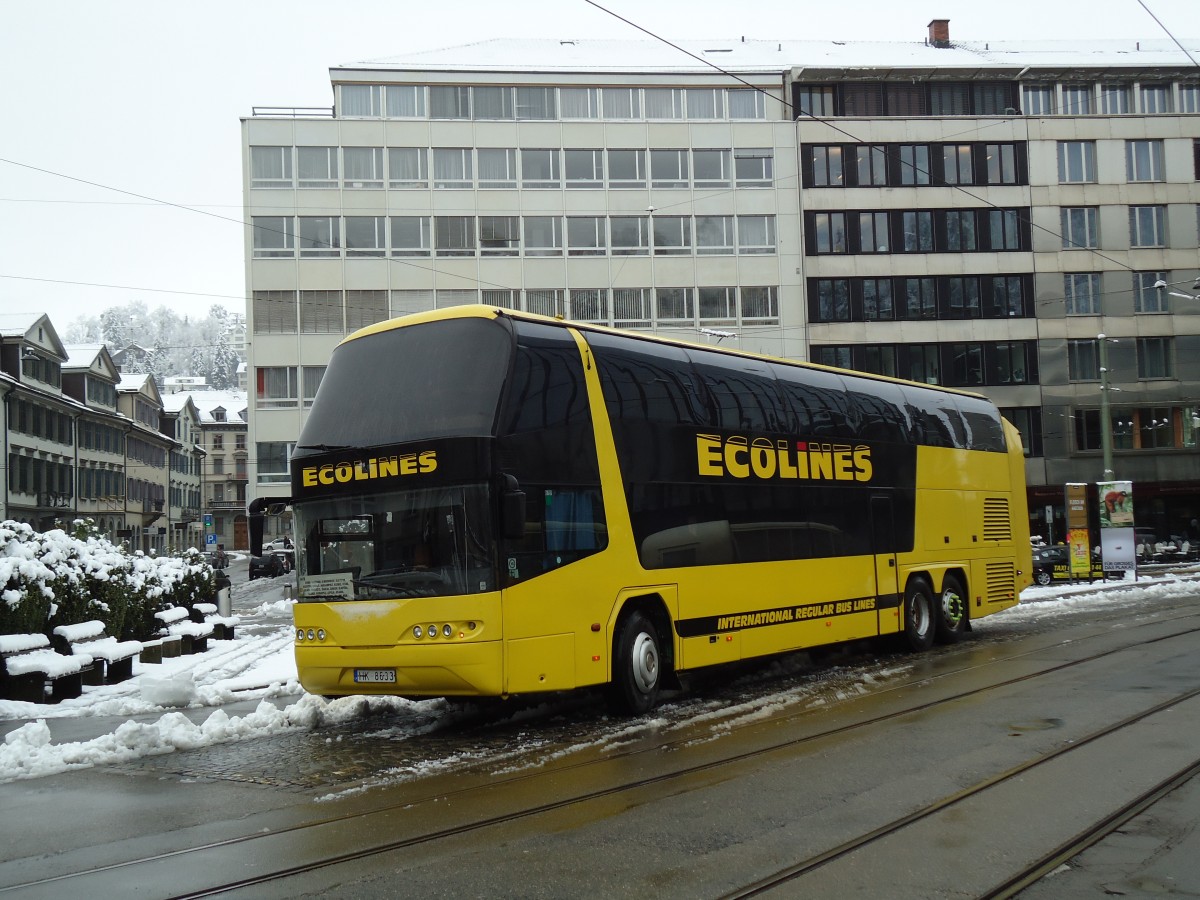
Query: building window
x,y
870,164
705,103
827,167
675,306
452,167
544,302
712,168
1147,298
270,167
914,164
632,307
1189,98
543,235
957,164
664,103
499,235
877,304
833,300
275,312
583,168
1082,293
1144,160
321,312
497,167
669,168
536,103
746,103
363,167
1001,163
629,235
312,376
829,232
918,297
586,236
274,237
672,235
1009,363
718,305
920,362
411,301
627,168
218,442
492,102
364,308
873,232
1077,100
361,100
622,103
449,102
815,100
275,387
1114,100
590,305
366,236
760,305
918,231
1076,162
454,235
1154,358
965,365
405,101
408,167
960,230
1083,360
410,236
320,236
540,169
1080,227
579,103
1037,99
837,356
1004,230
756,234
1028,421
273,459
714,235
1155,98
1147,226
317,167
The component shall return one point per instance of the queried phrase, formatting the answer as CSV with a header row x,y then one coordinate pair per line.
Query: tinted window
x,y
882,414
743,393
818,401
656,384
983,423
439,379
933,422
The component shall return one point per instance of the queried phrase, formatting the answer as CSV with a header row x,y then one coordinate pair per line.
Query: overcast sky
x,y
145,96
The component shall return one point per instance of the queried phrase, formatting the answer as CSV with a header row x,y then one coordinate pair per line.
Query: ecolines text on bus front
x,y
368,469
761,457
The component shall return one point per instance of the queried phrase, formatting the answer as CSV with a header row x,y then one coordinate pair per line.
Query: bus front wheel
x,y
637,667
918,616
952,611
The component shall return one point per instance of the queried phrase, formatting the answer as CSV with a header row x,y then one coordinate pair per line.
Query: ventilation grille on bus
x,y
1001,581
996,523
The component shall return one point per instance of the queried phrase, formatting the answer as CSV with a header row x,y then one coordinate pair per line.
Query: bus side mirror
x,y
512,510
255,513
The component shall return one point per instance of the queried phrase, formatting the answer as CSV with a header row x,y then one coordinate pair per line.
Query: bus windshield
x,y
427,542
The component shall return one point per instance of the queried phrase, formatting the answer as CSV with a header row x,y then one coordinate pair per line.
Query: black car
x,y
269,565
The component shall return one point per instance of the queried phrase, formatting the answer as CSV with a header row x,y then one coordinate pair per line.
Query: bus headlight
x,y
311,635
418,632
299,634
433,631
447,630
320,634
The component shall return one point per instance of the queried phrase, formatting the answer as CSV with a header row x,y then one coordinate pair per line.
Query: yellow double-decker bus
x,y
489,503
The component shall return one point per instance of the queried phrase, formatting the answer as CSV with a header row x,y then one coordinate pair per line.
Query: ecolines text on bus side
x,y
369,469
761,457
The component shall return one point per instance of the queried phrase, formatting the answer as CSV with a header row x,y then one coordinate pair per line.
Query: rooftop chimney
x,y
939,32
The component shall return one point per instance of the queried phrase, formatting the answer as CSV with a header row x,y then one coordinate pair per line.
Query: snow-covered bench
x,y
31,671
112,659
192,636
223,626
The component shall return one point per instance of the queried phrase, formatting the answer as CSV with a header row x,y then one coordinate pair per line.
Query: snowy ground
x,y
187,702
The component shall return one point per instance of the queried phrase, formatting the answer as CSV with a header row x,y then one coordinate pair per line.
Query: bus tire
x,y
952,611
637,667
919,616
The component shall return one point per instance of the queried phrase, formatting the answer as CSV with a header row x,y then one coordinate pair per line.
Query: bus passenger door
x,y
887,587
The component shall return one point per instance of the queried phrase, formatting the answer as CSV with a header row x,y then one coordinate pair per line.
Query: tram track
x,y
129,868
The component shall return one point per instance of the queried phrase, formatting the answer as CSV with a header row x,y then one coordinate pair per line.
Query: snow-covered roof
x,y
17,324
233,402
741,55
81,356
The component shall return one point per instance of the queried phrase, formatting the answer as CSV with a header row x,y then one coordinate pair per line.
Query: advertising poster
x,y
1116,525
1078,538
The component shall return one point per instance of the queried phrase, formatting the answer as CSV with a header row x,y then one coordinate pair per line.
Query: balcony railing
x,y
292,112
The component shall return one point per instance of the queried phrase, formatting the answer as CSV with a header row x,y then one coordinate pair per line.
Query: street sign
x,y
208,520
210,539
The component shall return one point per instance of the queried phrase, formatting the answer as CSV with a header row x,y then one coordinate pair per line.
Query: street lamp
x,y
1161,285
1105,421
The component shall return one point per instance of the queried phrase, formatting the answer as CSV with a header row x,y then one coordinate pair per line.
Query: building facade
x,y
964,214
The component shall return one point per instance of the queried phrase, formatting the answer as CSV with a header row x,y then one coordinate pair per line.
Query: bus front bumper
x,y
474,669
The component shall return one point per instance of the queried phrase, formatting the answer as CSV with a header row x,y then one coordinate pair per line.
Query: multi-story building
x,y
967,214
90,377
181,421
223,423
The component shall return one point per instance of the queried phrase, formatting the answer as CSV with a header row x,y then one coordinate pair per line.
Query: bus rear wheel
x,y
952,611
918,616
637,667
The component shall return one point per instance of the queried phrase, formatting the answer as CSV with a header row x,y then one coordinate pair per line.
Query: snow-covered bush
x,y
54,578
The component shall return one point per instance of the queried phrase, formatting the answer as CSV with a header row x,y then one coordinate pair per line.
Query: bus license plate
x,y
375,676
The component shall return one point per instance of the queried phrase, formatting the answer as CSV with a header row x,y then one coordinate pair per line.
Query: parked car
x,y
269,565
1044,561
285,549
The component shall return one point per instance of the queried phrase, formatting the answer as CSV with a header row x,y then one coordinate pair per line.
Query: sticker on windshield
x,y
334,586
